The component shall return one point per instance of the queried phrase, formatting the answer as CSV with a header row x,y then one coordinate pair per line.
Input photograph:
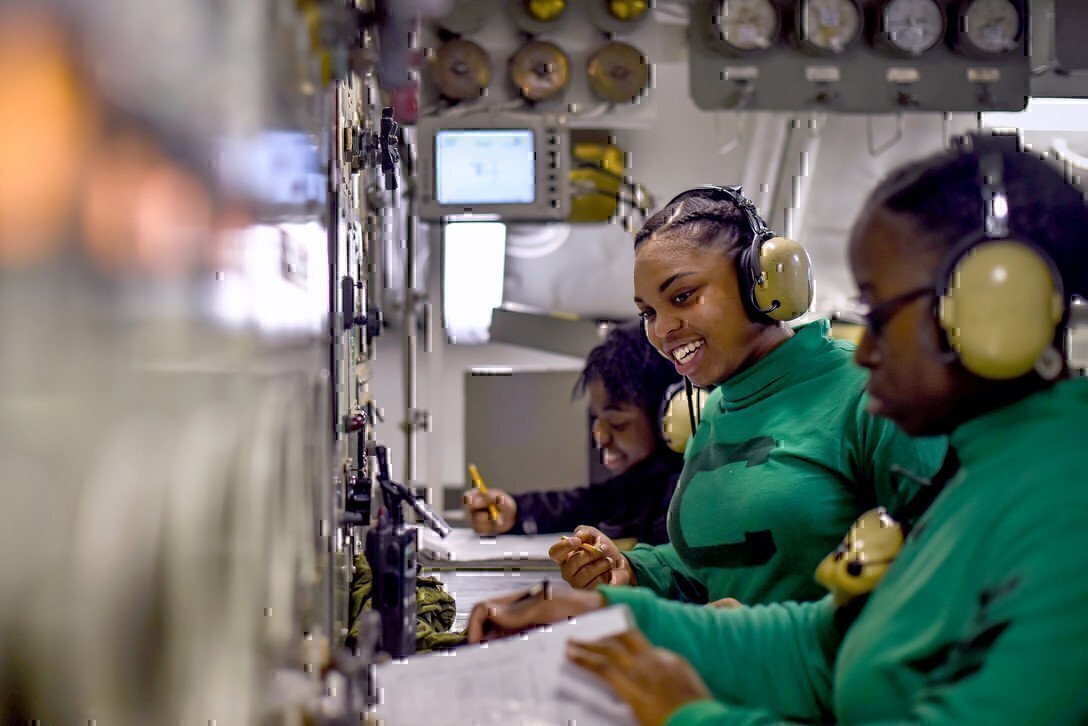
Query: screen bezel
x,y
551,200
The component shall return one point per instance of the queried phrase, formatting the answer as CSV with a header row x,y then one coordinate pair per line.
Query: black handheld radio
x,y
391,552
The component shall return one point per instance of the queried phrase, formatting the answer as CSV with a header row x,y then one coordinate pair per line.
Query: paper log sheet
x,y
519,681
465,546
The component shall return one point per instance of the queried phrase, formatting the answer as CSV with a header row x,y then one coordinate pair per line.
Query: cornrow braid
x,y
705,222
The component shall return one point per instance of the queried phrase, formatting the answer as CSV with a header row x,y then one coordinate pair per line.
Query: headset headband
x,y
994,197
990,149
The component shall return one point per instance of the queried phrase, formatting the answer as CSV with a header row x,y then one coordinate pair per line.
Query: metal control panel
x,y
860,56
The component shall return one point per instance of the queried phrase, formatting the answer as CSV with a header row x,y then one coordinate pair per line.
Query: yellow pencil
x,y
591,549
478,482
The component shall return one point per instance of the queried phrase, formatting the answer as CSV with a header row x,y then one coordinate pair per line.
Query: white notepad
x,y
463,546
525,680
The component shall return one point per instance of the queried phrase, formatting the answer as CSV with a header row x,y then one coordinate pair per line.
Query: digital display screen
x,y
485,166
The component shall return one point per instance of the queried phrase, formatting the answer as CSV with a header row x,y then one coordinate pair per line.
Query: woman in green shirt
x,y
967,261
786,455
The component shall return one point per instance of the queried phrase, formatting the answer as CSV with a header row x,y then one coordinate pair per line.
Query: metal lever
x,y
395,493
390,155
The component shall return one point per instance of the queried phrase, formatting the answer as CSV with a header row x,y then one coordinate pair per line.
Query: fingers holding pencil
x,y
590,558
478,482
585,546
508,614
477,507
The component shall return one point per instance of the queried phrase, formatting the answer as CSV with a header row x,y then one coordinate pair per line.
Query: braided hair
x,y
705,221
630,370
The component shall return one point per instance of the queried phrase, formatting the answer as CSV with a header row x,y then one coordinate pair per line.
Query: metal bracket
x,y
418,420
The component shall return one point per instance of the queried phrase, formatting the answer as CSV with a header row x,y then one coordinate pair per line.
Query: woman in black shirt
x,y
626,381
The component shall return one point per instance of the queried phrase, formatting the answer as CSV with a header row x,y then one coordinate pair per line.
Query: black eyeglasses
x,y
878,317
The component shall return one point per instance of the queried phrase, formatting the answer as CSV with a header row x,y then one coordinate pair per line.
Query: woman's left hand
x,y
654,681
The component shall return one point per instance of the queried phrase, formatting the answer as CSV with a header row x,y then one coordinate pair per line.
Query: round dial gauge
x,y
746,25
991,26
461,70
829,25
618,72
539,69
912,26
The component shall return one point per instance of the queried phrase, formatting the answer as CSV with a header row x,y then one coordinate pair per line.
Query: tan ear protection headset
x,y
681,412
775,273
999,296
857,565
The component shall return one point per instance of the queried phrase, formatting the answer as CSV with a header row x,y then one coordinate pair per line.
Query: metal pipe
x,y
408,331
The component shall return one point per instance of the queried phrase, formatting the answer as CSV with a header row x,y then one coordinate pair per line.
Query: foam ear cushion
x,y
787,279
1001,309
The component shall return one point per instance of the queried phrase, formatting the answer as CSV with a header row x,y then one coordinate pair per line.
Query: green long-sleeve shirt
x,y
981,619
785,458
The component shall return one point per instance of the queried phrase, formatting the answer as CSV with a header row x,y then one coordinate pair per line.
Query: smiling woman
x,y
626,382
786,455
691,303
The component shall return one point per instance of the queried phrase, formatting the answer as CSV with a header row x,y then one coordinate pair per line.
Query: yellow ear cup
x,y
859,563
1001,309
787,279
676,422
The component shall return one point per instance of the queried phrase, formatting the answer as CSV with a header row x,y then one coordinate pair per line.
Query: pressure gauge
x,y
911,26
829,26
989,27
746,25
539,70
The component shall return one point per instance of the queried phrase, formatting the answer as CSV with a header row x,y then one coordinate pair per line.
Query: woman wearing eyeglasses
x,y
786,455
969,260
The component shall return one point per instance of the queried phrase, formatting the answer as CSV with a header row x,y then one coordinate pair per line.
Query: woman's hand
x,y
478,507
654,681
503,616
599,564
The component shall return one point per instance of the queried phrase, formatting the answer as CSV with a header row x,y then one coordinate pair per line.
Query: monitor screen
x,y
485,166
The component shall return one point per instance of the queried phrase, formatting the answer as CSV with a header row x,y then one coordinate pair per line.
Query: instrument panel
x,y
867,56
546,56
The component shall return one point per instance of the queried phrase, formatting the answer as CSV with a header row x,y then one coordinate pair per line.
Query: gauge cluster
x,y
864,56
549,56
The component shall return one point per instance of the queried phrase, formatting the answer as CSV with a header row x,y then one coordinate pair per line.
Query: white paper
x,y
463,545
526,680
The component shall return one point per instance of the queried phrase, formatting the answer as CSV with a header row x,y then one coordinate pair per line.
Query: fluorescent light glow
x,y
1043,114
474,263
277,280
